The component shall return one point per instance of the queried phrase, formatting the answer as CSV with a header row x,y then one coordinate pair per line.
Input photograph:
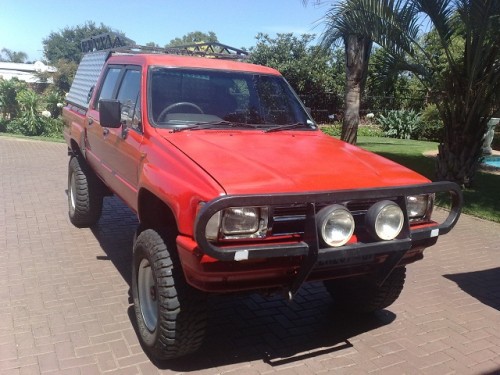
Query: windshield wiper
x,y
197,126
212,124
286,127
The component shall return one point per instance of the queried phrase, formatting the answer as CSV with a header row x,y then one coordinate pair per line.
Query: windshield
x,y
185,98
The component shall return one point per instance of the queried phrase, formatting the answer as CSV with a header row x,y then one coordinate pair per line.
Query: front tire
x,y
171,315
363,295
84,194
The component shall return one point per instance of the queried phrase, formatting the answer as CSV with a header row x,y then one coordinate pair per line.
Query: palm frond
x,y
390,23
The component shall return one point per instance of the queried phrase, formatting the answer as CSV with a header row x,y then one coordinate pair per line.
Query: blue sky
x,y
25,23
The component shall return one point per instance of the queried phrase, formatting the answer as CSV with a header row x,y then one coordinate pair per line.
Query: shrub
x,y
335,130
38,115
3,125
402,124
53,127
52,98
431,127
370,131
30,121
8,93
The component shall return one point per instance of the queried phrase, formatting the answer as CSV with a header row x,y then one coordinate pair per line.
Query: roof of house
x,y
24,72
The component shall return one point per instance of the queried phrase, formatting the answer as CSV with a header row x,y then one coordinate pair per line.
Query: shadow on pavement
x,y
115,233
253,327
482,285
494,372
244,328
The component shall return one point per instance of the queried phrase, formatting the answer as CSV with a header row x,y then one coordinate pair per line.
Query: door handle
x,y
90,121
105,131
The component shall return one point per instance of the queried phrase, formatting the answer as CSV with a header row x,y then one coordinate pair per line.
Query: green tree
x,y
64,75
13,56
388,88
310,70
193,37
65,44
152,45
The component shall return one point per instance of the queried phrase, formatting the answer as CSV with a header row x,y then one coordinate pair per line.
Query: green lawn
x,y
482,201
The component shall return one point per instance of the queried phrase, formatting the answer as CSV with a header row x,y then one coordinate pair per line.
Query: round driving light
x,y
335,225
385,219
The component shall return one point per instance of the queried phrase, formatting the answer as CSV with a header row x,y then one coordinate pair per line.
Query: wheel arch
x,y
154,213
74,148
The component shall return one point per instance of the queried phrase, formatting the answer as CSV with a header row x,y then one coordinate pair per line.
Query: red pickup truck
x,y
236,189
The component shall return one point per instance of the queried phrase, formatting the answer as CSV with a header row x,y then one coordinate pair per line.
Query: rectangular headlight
x,y
419,207
238,223
240,220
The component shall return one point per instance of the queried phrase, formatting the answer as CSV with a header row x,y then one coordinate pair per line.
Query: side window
x,y
128,95
109,84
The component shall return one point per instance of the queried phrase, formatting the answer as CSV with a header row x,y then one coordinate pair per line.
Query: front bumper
x,y
308,247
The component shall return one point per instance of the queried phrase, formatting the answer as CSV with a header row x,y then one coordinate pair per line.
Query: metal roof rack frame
x,y
115,43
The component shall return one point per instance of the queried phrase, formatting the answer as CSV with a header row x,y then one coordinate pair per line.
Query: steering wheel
x,y
175,105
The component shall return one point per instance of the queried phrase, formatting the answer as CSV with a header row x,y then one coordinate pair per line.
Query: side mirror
x,y
110,113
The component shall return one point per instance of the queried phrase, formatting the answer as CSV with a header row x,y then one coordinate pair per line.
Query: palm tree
x,y
467,89
458,62
357,23
13,56
461,72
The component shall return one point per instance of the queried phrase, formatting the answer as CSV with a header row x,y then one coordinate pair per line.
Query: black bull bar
x,y
309,247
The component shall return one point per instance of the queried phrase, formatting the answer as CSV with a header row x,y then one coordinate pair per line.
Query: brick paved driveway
x,y
65,305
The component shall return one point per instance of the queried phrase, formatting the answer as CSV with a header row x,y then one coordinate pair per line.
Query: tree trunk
x,y
357,55
460,152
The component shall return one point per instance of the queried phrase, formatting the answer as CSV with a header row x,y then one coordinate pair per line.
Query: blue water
x,y
492,161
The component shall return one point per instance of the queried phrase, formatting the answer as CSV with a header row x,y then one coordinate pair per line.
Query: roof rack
x,y
212,49
116,43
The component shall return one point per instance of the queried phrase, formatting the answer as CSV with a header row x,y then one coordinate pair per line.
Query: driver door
x,y
124,144
115,153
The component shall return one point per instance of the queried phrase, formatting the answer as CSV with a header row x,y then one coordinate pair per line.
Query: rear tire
x,y
85,194
362,295
171,315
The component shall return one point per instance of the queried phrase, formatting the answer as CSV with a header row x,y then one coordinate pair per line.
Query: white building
x,y
25,72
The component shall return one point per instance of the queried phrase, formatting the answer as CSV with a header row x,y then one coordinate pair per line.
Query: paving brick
x,y
30,370
106,361
48,362
77,362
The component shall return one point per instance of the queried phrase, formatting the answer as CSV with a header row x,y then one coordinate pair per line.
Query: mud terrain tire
x,y
171,315
85,194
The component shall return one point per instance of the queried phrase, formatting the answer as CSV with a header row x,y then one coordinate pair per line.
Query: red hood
x,y
244,162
